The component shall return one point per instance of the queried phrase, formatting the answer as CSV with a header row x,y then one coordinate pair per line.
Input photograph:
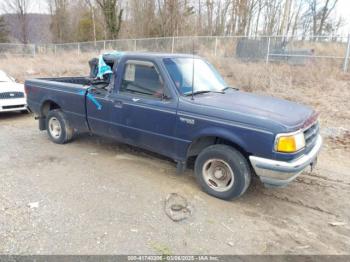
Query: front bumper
x,y
17,104
280,173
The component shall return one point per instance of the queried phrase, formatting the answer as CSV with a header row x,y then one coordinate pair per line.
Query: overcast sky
x,y
343,9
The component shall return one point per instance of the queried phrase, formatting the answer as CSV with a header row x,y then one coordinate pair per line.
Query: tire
x,y
58,127
215,167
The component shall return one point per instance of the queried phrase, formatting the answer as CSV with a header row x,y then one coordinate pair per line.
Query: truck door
x,y
98,107
146,110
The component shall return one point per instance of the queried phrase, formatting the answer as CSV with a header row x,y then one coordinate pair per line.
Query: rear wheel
x,y
58,127
222,171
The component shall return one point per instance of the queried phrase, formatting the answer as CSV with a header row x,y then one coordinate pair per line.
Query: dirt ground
x,y
96,196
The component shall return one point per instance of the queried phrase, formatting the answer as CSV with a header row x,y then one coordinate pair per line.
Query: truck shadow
x,y
110,146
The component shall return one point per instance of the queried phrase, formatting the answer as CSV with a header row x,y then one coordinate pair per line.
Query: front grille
x,y
311,134
10,95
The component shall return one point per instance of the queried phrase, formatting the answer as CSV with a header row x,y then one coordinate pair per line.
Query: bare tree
x,y
20,8
92,11
210,14
181,17
286,12
3,31
175,17
320,11
261,6
112,15
296,18
59,20
144,19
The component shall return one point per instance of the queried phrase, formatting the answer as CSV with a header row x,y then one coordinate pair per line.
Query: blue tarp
x,y
103,68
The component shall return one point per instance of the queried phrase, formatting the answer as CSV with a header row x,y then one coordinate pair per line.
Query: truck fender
x,y
48,99
208,136
47,103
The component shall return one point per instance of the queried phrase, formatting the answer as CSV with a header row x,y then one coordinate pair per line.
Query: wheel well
x,y
198,145
48,106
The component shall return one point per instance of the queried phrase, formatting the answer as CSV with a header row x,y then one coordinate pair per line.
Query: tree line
x,y
92,20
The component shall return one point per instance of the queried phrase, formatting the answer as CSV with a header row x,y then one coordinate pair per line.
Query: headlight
x,y
290,143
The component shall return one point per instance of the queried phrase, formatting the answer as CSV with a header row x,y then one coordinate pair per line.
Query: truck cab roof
x,y
112,59
159,55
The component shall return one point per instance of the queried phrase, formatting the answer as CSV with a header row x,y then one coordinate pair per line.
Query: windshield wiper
x,y
203,92
230,87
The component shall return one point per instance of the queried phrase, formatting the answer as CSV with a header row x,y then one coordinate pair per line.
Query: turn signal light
x,y
290,143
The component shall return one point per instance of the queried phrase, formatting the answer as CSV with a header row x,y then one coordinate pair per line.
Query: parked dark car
x,y
179,106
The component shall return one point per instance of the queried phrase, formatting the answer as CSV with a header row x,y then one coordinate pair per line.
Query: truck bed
x,y
67,92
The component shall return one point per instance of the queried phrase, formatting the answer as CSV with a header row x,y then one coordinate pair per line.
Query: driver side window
x,y
142,78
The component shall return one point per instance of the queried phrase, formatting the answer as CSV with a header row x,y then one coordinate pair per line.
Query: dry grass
x,y
323,48
320,84
68,64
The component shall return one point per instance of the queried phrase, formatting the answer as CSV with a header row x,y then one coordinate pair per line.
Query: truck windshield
x,y
206,78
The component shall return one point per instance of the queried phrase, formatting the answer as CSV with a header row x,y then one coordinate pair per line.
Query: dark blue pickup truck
x,y
179,106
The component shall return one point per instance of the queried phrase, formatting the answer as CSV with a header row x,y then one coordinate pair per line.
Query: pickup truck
x,y
179,106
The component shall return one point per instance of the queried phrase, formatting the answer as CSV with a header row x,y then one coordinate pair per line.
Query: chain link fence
x,y
303,50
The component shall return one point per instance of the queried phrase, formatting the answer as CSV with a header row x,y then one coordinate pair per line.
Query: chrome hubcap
x,y
55,127
218,174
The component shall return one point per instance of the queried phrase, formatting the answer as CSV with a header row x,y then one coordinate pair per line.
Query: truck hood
x,y
255,109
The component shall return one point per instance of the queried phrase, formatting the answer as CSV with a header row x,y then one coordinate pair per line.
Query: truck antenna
x,y
192,67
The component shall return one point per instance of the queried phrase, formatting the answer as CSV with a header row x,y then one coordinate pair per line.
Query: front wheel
x,y
222,171
58,128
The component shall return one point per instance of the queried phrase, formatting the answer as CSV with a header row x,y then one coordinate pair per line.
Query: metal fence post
x,y
104,45
34,47
172,44
78,48
216,45
55,49
135,46
268,50
347,53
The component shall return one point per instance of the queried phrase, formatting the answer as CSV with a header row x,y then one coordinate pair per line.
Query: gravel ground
x,y
96,196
